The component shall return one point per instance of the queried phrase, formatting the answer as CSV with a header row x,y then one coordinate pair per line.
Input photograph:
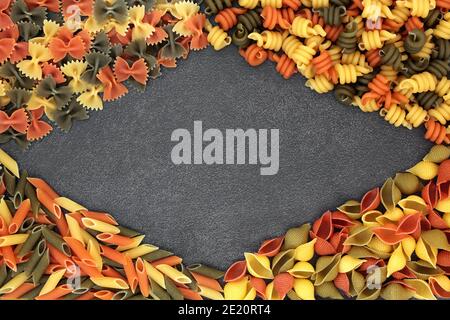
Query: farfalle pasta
x,y
389,57
59,56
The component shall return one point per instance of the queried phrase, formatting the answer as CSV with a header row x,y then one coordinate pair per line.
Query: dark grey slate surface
x,y
119,160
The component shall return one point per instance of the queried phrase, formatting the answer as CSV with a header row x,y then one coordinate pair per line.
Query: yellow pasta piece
x,y
136,242
74,228
303,28
52,281
110,282
13,239
426,252
271,40
140,250
31,68
258,265
141,30
69,204
305,252
154,274
348,263
239,290
90,98
173,274
99,226
302,270
4,211
419,8
397,261
9,163
14,283
304,289
94,251
210,293
425,170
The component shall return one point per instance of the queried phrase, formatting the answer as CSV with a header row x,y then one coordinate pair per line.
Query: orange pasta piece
x,y
189,294
227,18
114,239
292,4
207,282
77,216
60,258
254,55
58,292
171,261
86,296
48,202
130,273
19,216
90,271
19,292
107,271
9,258
79,250
63,227
436,132
144,285
101,216
41,184
104,295
112,254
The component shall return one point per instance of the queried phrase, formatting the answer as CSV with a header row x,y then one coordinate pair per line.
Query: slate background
x,y
119,160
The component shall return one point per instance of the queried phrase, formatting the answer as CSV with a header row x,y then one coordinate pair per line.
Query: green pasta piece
x,y
333,14
3,274
39,251
439,68
362,83
193,285
296,236
156,255
93,233
84,287
10,181
251,20
412,66
240,36
124,231
55,240
31,241
71,296
172,289
158,292
283,261
26,225
390,55
292,295
138,297
10,205
19,191
30,295
433,18
415,41
214,6
42,265
30,193
122,295
429,99
111,263
348,40
441,50
344,94
206,271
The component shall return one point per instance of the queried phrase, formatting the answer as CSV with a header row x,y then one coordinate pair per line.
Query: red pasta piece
x,y
436,220
59,49
342,283
108,271
333,32
5,20
414,23
196,24
236,271
341,220
292,4
18,120
371,262
138,70
38,128
430,194
323,247
112,90
227,18
19,216
371,200
154,17
6,48
444,4
388,234
285,66
259,285
50,69
337,241
373,57
443,258
405,273
273,17
189,294
283,283
436,132
130,273
322,63
409,224
254,55
19,52
438,290
144,285
443,180
51,5
271,247
323,227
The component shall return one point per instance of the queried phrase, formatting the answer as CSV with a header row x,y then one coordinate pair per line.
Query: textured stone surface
x,y
119,160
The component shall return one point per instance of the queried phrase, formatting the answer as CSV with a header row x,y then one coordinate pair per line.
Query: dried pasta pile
x,y
393,244
59,59
384,56
53,248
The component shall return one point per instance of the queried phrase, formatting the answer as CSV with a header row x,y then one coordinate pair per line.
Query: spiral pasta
x,y
420,82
